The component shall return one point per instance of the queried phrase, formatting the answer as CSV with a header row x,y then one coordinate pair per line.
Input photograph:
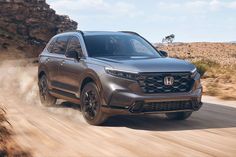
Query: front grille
x,y
154,83
161,106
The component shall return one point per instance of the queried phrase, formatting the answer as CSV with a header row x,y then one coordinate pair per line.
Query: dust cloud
x,y
18,79
18,84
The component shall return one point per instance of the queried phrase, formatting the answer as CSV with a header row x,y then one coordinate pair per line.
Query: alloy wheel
x,y
90,104
43,89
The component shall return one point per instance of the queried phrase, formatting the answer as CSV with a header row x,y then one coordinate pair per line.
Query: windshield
x,y
118,45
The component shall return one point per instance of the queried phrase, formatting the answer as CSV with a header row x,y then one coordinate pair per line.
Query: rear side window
x,y
60,45
50,46
74,45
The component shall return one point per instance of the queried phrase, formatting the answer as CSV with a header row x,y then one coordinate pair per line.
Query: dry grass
x,y
221,82
215,61
222,53
8,147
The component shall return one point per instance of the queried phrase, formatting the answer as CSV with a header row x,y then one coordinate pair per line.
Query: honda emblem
x,y
169,80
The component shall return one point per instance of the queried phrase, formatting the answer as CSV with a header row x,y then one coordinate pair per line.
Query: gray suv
x,y
113,73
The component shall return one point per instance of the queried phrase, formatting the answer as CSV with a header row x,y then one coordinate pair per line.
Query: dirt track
x,y
61,130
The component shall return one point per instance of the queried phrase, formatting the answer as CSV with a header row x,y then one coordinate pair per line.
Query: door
x,y
71,68
58,55
50,61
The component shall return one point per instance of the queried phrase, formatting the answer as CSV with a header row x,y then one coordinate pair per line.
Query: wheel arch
x,y
41,73
42,70
91,76
88,77
86,80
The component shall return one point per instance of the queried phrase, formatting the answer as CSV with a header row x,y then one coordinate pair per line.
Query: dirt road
x,y
61,130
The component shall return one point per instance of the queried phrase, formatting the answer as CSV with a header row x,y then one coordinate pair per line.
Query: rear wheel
x,y
46,98
178,115
91,105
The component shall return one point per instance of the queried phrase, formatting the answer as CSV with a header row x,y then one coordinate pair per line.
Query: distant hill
x,y
223,53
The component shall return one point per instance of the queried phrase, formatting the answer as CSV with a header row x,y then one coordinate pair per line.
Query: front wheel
x,y
91,105
178,115
46,98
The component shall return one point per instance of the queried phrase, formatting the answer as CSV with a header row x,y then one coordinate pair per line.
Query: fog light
x,y
196,105
137,107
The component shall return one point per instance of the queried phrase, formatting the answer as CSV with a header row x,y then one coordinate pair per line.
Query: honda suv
x,y
113,73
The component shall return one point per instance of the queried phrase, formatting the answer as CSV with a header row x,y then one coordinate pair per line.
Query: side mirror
x,y
73,54
163,53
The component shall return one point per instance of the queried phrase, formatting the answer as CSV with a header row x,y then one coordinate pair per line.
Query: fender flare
x,y
93,75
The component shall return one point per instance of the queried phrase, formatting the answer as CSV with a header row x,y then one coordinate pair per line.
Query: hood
x,y
139,64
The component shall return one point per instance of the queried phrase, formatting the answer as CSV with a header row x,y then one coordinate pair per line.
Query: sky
x,y
189,20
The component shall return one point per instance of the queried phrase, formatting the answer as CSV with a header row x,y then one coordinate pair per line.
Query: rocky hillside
x,y
27,25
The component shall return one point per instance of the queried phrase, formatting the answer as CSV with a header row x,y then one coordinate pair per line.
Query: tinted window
x,y
118,45
74,45
139,47
60,45
50,46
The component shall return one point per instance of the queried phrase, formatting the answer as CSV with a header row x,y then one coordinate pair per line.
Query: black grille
x,y
162,106
154,83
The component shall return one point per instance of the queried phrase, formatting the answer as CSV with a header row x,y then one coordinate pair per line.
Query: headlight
x,y
122,74
194,72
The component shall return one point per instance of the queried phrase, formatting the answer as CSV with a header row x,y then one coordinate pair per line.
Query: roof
x,y
90,33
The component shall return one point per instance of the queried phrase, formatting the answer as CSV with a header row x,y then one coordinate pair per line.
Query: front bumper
x,y
123,102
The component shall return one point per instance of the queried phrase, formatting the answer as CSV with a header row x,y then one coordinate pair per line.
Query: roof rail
x,y
68,31
130,32
79,31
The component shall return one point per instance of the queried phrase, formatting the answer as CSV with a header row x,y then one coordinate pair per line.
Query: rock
x,y
30,23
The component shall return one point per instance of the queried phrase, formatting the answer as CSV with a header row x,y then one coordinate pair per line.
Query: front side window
x,y
74,45
60,45
118,45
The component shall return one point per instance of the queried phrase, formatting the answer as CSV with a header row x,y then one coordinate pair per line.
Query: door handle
x,y
47,60
63,62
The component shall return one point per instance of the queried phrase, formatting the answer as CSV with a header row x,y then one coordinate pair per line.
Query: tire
x,y
91,105
178,115
45,97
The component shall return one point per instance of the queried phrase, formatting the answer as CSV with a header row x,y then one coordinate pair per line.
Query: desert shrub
x,y
212,89
205,65
202,68
8,147
211,64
